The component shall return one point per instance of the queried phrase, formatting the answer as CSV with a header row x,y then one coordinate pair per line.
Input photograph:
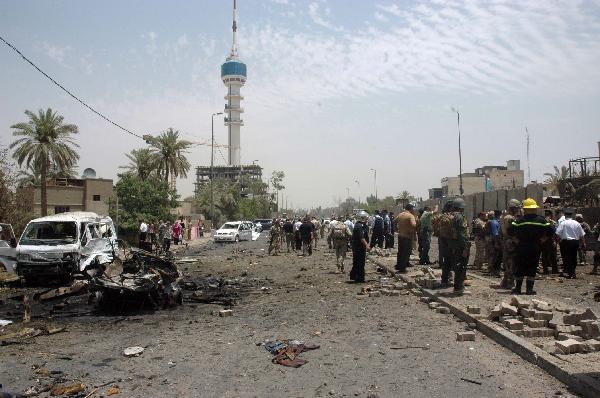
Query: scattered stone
x,y
495,313
541,305
554,323
551,348
568,329
519,302
561,307
425,299
386,292
541,332
133,351
566,336
471,326
591,345
398,286
591,328
507,309
569,346
577,316
520,333
442,310
506,317
513,324
465,336
472,309
224,313
434,304
534,323
543,315
394,293
526,312
375,293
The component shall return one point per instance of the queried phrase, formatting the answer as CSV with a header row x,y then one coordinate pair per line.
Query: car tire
x,y
237,239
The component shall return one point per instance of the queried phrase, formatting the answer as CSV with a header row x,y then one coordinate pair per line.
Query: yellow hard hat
x,y
530,204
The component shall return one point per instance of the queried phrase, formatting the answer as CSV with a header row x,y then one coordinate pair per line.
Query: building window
x,y
61,209
96,198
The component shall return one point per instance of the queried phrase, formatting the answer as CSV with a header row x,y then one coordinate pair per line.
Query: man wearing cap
x,y
572,237
530,232
407,228
478,234
458,247
509,243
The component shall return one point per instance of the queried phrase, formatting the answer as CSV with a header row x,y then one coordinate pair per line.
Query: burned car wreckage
x,y
84,247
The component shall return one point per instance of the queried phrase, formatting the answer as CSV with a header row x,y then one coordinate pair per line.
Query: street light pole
x,y
375,184
460,176
358,183
212,166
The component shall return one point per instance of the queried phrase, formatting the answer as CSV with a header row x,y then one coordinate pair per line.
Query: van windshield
x,y
50,233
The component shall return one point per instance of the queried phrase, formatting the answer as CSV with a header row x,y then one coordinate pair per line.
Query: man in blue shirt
x,y
496,246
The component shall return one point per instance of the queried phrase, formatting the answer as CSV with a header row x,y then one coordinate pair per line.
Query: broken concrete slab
x,y
442,310
465,336
541,305
575,317
591,328
534,323
495,313
566,336
473,309
134,351
425,299
513,324
225,313
569,346
526,312
568,329
519,302
433,305
507,309
591,345
543,315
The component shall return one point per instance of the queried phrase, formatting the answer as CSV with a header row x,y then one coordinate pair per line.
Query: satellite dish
x,y
89,173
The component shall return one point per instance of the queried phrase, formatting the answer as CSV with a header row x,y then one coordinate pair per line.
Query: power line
x,y
68,92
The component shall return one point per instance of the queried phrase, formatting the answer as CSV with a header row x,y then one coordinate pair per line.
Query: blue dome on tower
x,y
233,67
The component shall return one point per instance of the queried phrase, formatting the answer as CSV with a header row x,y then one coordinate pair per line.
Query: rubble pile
x,y
569,330
385,287
221,290
427,279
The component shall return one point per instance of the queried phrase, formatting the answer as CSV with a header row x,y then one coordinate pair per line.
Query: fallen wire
x,y
410,346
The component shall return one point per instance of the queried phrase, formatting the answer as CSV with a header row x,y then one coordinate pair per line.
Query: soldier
x,y
339,236
549,258
478,229
307,232
458,246
360,247
442,244
587,229
509,244
316,231
529,232
275,238
288,230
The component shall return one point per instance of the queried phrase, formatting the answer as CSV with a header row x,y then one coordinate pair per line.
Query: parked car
x,y
62,245
265,223
8,245
233,231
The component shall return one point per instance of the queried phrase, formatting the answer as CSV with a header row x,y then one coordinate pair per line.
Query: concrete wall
x,y
506,179
451,185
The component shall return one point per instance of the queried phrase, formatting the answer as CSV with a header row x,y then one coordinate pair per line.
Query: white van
x,y
61,245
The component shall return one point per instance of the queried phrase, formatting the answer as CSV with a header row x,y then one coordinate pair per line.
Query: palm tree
x,y
31,175
558,175
140,163
168,155
44,140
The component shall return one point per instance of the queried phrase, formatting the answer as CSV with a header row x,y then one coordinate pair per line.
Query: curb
x,y
579,382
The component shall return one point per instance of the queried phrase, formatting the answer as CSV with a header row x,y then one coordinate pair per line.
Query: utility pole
x,y
460,176
528,164
358,183
375,184
212,166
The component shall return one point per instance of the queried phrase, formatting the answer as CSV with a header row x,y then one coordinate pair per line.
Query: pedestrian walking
x,y
176,232
297,237
458,246
307,230
407,229
166,236
339,235
389,244
572,237
360,247
377,235
275,238
530,231
143,231
288,230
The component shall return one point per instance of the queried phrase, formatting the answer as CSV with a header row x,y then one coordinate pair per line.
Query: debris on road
x,y
64,389
286,352
134,351
225,313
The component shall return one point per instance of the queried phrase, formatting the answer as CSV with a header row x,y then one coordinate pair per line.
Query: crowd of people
x,y
159,235
509,244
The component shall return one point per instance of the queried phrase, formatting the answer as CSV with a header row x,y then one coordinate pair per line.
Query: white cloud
x,y
320,14
281,1
183,41
57,53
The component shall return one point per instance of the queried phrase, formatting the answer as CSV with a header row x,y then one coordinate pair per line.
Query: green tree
x,y
14,208
141,163
32,174
277,183
150,199
168,155
44,140
558,175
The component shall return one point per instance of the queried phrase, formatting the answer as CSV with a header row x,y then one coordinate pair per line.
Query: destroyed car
x,y
8,251
56,247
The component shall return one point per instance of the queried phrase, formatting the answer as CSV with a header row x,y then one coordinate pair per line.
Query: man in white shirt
x,y
143,231
571,235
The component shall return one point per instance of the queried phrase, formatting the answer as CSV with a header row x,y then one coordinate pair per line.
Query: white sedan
x,y
233,232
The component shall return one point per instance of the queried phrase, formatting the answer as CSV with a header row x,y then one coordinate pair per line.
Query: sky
x,y
335,88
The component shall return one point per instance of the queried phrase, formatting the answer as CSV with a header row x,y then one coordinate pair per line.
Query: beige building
x,y
472,183
90,194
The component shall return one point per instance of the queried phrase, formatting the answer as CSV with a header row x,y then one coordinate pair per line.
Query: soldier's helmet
x,y
459,203
514,204
448,205
363,216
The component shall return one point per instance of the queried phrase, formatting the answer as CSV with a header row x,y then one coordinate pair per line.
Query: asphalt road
x,y
365,343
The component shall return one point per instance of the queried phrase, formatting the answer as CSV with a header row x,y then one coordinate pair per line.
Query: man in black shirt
x,y
288,230
360,247
306,234
531,231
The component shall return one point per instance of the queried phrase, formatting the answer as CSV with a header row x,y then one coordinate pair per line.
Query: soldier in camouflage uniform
x,y
339,235
509,243
317,232
275,238
459,248
478,230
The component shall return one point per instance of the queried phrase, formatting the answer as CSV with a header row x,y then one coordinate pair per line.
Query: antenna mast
x,y
234,52
528,164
